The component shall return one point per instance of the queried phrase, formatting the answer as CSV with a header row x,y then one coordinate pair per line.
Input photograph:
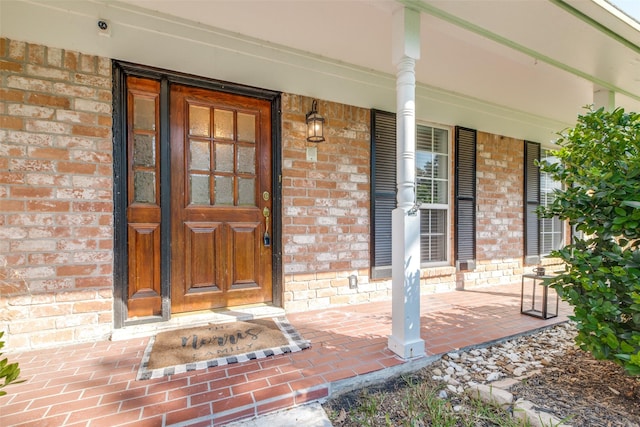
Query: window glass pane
x,y
433,232
199,121
440,192
223,122
558,226
144,150
424,191
144,113
440,141
247,159
440,166
200,190
224,190
224,157
246,191
144,187
199,155
246,127
424,164
424,138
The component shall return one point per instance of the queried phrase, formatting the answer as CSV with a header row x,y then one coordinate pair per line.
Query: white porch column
x,y
604,98
405,330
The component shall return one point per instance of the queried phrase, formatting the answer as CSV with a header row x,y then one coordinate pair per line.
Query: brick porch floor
x,y
95,384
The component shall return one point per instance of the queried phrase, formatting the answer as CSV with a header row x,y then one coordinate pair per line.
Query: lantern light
x,y
315,124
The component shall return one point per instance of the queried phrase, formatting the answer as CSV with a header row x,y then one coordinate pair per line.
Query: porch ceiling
x,y
539,57
520,54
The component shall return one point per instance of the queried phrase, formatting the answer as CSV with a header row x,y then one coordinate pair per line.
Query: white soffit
x,y
354,31
455,59
585,40
359,32
488,69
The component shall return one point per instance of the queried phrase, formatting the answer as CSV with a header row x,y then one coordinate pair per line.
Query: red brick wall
x,y
499,211
325,206
500,193
56,201
326,211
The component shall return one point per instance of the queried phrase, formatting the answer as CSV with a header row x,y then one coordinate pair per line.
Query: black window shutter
x,y
531,203
465,198
383,188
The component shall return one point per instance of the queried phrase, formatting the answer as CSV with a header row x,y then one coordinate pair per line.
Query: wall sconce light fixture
x,y
315,124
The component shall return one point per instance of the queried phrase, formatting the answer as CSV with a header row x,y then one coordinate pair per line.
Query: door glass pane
x,y
224,190
246,127
199,121
144,113
224,157
144,150
144,187
246,191
200,190
199,155
247,160
223,122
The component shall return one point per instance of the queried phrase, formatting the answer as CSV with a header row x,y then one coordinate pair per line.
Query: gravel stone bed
x,y
545,368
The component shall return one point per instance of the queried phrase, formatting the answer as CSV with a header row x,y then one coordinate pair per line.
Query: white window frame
x,y
545,190
446,207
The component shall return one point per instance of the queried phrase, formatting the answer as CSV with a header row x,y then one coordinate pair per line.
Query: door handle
x,y
266,238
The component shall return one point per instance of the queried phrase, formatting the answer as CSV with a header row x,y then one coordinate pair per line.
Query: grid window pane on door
x,y
432,191
199,121
222,157
144,152
551,229
199,152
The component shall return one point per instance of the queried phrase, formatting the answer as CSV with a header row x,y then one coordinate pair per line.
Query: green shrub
x,y
599,165
9,372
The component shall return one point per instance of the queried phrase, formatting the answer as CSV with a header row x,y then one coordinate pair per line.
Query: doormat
x,y
191,349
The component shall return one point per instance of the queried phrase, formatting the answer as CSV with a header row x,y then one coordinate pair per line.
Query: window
x,y
546,234
432,190
551,229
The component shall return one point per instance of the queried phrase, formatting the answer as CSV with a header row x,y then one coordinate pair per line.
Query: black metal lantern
x,y
537,298
315,124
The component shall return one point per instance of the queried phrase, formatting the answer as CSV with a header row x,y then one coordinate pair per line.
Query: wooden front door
x,y
198,168
221,200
